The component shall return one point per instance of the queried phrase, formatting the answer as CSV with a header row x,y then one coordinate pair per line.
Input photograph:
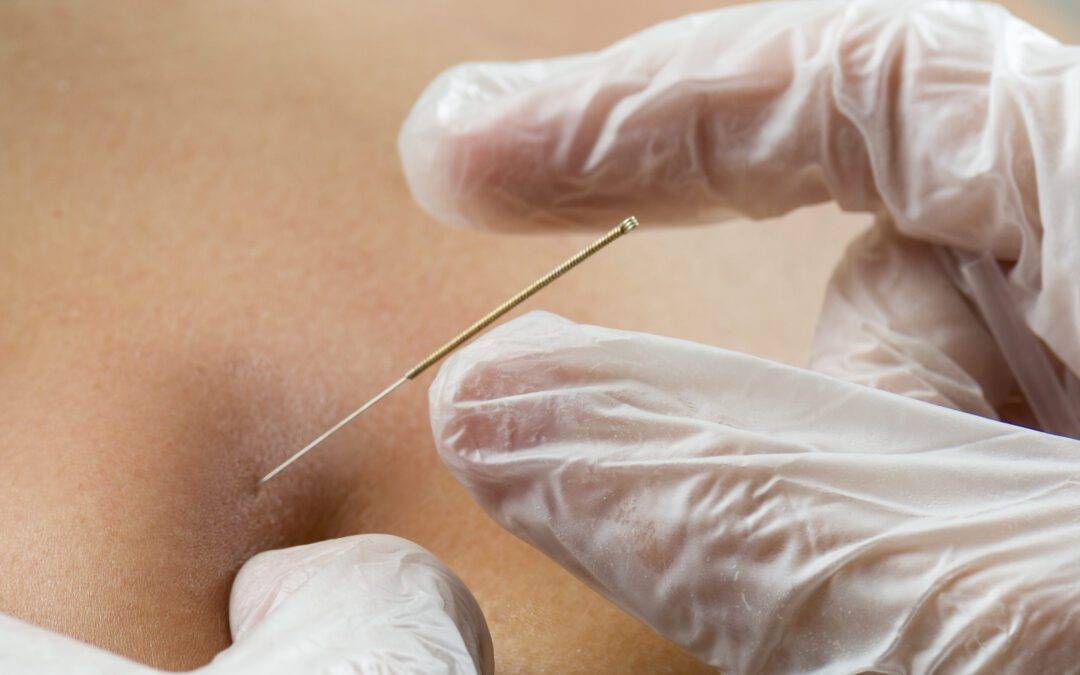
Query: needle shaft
x,y
324,435
462,337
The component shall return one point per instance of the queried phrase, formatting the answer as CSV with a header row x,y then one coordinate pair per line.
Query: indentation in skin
x,y
132,469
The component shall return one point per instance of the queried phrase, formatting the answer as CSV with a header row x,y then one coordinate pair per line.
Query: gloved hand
x,y
363,604
767,518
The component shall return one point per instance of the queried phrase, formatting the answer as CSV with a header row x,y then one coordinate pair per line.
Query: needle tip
x,y
628,224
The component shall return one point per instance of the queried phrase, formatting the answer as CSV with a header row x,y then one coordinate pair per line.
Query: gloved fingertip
x,y
270,578
478,145
513,361
367,602
430,141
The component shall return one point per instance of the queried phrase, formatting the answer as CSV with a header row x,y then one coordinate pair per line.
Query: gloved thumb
x,y
769,519
361,604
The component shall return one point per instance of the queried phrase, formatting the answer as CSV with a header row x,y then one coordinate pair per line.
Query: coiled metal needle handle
x,y
492,316
462,337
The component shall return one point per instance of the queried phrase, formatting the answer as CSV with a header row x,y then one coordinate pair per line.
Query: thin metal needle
x,y
490,318
349,418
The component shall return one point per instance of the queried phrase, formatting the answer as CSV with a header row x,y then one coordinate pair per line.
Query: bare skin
x,y
208,254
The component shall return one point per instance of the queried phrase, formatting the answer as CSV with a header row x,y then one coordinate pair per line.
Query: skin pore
x,y
208,254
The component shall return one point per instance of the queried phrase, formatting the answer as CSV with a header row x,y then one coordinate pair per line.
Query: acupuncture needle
x,y
462,337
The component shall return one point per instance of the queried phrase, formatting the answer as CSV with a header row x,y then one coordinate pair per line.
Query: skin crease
x,y
208,254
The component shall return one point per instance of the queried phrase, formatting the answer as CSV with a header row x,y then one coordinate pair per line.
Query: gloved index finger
x,y
756,109
589,138
941,114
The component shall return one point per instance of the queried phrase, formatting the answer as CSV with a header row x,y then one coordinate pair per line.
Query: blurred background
x,y
1070,15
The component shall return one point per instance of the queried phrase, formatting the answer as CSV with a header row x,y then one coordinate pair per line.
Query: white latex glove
x,y
772,519
953,122
363,604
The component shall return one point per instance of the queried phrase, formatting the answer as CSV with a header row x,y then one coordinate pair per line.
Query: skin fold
x,y
208,255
